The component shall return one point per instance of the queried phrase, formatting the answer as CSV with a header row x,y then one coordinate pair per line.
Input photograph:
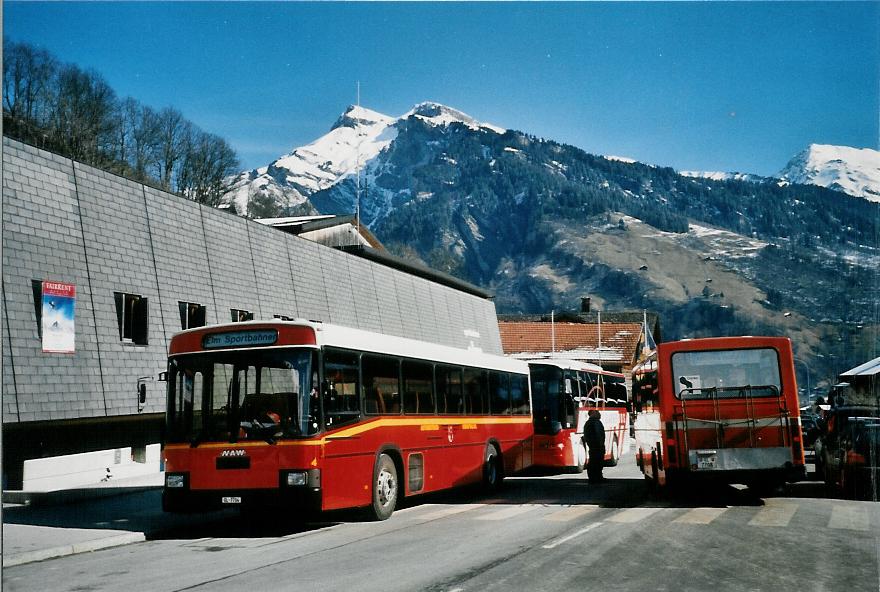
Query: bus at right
x,y
721,409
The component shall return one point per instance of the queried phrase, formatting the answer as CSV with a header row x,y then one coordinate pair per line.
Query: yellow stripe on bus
x,y
425,425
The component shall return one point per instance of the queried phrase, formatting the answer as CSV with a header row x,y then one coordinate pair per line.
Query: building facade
x,y
145,264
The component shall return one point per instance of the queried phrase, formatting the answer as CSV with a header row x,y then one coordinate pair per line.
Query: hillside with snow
x,y
851,170
351,145
540,223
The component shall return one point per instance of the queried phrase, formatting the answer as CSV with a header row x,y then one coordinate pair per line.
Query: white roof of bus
x,y
567,364
573,365
358,339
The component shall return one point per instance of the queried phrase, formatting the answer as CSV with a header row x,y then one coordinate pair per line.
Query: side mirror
x,y
163,377
142,392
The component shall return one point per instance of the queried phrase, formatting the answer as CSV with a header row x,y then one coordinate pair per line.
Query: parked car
x,y
848,451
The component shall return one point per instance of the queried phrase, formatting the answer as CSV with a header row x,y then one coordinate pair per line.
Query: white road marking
x,y
775,513
700,515
850,518
568,514
458,509
573,535
632,515
509,512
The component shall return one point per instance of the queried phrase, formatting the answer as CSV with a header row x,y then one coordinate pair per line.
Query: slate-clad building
x,y
146,263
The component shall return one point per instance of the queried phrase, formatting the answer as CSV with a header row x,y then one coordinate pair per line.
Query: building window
x,y
191,315
239,316
132,314
37,287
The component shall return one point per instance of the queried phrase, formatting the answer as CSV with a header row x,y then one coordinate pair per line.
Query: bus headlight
x,y
175,480
310,478
297,478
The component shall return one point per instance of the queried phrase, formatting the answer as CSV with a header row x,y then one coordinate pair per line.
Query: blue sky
x,y
699,86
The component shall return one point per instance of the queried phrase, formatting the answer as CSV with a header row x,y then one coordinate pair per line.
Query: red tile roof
x,y
619,340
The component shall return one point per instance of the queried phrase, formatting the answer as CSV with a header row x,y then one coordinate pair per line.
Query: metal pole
x,y
809,390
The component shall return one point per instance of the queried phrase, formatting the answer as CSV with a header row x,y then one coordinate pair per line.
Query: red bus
x,y
306,415
563,391
721,408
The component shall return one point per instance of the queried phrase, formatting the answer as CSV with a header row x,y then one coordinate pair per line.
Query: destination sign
x,y
240,339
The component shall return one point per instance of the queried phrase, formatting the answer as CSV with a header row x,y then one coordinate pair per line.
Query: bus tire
x,y
385,488
615,455
493,470
581,457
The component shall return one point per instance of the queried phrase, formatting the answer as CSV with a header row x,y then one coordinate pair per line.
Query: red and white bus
x,y
563,392
305,414
721,408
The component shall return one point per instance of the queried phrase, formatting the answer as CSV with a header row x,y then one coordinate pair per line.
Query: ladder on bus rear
x,y
751,419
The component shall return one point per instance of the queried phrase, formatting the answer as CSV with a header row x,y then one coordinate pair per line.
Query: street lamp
x,y
809,390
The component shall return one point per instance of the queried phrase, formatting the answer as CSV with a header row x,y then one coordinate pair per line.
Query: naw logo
x,y
233,453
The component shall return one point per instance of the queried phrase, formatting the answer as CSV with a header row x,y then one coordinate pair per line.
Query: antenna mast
x,y
357,167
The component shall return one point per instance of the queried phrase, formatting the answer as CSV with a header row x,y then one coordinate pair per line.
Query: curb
x,y
83,547
69,496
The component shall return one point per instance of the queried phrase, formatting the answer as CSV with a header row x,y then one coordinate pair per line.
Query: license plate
x,y
231,500
706,462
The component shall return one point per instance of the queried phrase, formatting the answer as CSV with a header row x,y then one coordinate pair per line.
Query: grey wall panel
x,y
118,249
231,263
338,284
408,306
10,396
366,299
387,300
273,271
181,256
42,240
308,280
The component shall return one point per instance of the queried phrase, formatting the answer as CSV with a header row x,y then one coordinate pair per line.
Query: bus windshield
x,y
552,399
234,396
726,373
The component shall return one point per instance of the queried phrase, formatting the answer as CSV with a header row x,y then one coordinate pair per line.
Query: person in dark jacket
x,y
594,438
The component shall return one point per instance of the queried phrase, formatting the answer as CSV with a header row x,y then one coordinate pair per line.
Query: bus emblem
x,y
449,433
235,452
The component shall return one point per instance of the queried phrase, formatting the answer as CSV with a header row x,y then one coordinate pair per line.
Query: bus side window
x,y
418,392
476,395
519,394
381,381
449,395
499,393
340,390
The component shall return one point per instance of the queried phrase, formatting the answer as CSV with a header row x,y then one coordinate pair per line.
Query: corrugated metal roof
x,y
871,368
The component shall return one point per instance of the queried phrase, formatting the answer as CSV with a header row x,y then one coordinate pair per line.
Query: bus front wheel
x,y
493,472
385,487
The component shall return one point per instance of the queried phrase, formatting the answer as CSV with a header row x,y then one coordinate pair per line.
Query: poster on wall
x,y
59,330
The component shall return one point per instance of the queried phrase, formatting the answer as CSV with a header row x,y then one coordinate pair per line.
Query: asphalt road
x,y
539,533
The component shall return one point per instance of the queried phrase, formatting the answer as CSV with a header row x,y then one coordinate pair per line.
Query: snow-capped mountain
x,y
720,176
851,170
354,141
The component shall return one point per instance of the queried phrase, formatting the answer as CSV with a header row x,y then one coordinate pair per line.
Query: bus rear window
x,y
727,374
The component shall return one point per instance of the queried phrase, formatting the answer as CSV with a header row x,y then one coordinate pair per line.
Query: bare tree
x,y
83,119
145,143
173,129
207,164
28,75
